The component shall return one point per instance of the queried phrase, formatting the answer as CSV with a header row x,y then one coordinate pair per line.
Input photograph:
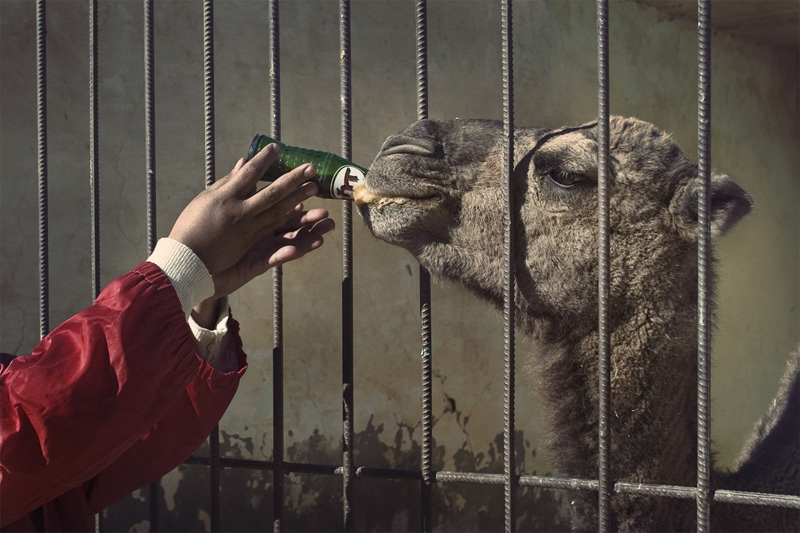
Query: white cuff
x,y
210,343
185,271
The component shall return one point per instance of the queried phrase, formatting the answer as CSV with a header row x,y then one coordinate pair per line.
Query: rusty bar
x,y
348,439
208,104
41,121
509,459
94,171
277,292
154,489
704,496
150,119
603,247
426,340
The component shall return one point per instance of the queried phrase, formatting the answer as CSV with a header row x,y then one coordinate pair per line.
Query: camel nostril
x,y
405,144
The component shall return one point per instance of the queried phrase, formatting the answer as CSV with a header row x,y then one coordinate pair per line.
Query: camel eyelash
x,y
564,179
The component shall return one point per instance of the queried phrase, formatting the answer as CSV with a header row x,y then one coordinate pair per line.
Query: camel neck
x,y
652,412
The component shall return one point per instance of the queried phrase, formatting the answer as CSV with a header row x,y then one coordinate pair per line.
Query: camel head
x,y
436,189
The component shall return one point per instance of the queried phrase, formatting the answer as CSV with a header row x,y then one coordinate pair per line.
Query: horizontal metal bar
x,y
664,491
227,462
757,498
388,473
544,482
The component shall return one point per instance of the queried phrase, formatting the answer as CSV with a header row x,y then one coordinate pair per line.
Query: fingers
x,y
285,193
268,253
314,222
245,174
299,247
303,218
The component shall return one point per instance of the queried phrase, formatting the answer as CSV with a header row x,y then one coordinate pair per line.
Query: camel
x,y
436,189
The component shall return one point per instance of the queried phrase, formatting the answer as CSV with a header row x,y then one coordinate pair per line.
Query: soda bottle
x,y
335,177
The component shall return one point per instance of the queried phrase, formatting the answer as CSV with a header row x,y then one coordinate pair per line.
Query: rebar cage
x,y
348,468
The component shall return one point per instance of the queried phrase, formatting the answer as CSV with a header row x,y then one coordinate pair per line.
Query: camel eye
x,y
564,179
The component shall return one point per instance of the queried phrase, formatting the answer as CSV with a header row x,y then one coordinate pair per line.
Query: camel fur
x,y
437,190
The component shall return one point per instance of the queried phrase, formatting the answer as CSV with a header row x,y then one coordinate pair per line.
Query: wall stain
x,y
314,502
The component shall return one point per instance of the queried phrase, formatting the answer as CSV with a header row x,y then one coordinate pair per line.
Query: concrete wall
x,y
653,76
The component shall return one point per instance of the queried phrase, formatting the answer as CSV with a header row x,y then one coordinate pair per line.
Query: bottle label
x,y
343,181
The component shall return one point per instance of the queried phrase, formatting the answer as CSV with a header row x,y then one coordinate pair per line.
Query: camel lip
x,y
400,144
363,196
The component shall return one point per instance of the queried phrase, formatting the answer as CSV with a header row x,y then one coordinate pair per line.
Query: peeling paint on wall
x,y
314,502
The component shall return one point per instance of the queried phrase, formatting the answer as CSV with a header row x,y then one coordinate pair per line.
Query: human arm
x,y
94,386
290,234
238,233
106,385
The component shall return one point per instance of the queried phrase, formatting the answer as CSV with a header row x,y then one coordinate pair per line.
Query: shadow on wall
x,y
314,502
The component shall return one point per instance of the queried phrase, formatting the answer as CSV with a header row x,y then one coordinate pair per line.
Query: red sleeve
x,y
181,430
117,383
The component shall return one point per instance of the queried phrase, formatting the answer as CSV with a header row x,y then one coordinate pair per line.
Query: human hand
x,y
300,235
239,232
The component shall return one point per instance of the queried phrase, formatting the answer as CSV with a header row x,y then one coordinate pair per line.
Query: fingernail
x,y
310,171
273,148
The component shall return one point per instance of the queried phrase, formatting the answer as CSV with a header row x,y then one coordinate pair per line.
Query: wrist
x,y
187,273
206,313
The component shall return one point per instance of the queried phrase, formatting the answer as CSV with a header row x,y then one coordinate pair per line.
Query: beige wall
x,y
653,76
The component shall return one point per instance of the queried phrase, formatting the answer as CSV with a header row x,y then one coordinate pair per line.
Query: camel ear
x,y
729,203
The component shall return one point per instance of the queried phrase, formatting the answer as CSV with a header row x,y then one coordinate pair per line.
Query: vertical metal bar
x,y
347,276
94,173
41,118
277,290
703,265
154,493
94,150
603,246
214,467
208,87
277,400
508,297
150,119
426,341
150,170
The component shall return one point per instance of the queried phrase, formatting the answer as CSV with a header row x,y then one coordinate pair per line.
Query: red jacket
x,y
109,401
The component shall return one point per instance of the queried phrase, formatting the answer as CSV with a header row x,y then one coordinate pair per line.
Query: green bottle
x,y
335,177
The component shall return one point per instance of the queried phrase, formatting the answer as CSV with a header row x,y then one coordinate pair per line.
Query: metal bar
x,y
208,87
757,498
546,482
41,121
426,341
150,120
704,497
509,459
208,92
277,291
154,493
422,59
603,246
277,399
347,277
154,488
94,172
214,471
